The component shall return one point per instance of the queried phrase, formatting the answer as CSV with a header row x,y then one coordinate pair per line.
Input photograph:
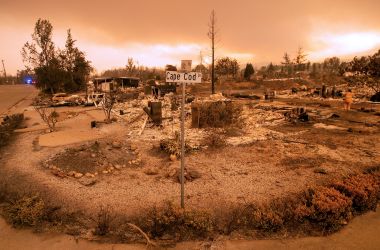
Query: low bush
x,y
173,220
217,114
215,139
26,211
329,208
9,124
251,217
173,146
364,190
49,116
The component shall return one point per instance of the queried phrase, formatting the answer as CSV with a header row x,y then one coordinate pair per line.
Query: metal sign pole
x,y
183,147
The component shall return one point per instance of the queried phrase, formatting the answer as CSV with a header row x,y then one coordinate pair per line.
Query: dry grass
x,y
103,221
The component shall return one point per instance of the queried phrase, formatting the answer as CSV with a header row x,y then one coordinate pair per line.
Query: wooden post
x,y
183,147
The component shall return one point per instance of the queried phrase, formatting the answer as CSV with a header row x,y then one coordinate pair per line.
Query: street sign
x,y
188,77
186,65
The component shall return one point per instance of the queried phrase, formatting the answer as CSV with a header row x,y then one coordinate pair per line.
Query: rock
x,y
320,171
189,175
116,144
133,147
171,172
105,172
111,168
78,175
58,173
124,166
173,157
151,171
117,166
93,155
88,175
88,181
71,173
194,174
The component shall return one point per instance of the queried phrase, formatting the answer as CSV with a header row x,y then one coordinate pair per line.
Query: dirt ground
x,y
268,157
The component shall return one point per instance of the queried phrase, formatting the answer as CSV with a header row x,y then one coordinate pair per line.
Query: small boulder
x,y
58,173
116,144
151,171
173,157
194,174
171,172
78,175
87,181
71,173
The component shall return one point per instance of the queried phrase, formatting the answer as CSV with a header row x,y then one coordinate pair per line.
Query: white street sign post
x,y
183,77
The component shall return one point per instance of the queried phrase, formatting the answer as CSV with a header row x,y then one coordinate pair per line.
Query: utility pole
x,y
211,34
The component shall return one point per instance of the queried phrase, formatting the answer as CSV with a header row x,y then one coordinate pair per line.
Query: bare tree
x,y
49,116
212,34
300,59
131,67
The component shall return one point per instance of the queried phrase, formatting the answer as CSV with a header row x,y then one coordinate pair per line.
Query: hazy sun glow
x,y
151,55
344,44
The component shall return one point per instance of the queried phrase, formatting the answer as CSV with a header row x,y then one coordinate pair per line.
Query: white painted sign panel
x,y
188,77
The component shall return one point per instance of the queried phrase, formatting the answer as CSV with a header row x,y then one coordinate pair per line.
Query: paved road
x,y
12,96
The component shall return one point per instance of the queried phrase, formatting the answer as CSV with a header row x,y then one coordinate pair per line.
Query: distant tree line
x,y
55,69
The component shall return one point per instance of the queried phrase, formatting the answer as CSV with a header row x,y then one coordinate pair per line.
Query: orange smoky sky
x,y
156,33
